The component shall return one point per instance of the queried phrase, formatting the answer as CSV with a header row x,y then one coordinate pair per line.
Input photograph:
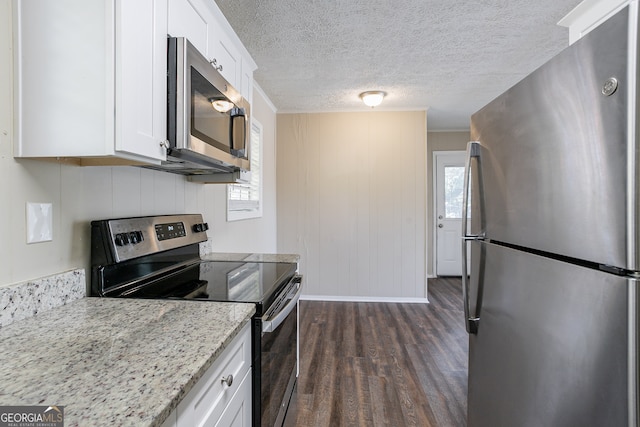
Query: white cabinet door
x,y
91,76
196,20
188,18
141,83
170,421
238,412
218,387
62,78
224,55
246,80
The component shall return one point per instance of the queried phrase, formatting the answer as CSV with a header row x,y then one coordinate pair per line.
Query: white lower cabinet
x,y
236,414
238,411
171,421
222,397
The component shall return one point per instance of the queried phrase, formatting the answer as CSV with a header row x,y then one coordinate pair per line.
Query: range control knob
x,y
122,239
199,228
133,237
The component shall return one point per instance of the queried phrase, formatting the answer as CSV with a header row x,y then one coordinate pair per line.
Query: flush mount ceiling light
x,y
372,98
221,105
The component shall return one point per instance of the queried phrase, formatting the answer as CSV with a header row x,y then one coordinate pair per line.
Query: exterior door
x,y
448,179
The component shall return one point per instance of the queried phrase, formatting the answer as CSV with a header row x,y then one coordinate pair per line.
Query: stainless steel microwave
x,y
207,119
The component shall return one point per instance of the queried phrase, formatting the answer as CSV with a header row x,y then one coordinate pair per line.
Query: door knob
x,y
439,216
440,225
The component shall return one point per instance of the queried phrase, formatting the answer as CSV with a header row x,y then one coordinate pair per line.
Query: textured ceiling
x,y
448,56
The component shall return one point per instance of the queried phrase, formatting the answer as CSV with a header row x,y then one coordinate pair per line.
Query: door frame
x,y
434,193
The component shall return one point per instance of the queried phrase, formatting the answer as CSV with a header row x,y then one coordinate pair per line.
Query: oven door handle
x,y
271,324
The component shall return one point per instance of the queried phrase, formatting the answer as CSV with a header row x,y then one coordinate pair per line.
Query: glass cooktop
x,y
253,282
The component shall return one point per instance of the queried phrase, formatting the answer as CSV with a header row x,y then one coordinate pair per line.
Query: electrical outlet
x,y
39,222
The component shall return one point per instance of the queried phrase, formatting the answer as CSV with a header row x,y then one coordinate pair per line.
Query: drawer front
x,y
204,404
238,412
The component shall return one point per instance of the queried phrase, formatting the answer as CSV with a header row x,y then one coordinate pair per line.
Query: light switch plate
x,y
39,222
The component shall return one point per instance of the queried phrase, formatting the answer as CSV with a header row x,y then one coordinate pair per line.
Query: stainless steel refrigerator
x,y
553,227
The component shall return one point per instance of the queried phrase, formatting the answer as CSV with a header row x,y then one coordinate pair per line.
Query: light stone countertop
x,y
115,362
255,257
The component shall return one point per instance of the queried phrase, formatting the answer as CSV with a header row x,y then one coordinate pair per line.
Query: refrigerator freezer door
x,y
554,153
552,344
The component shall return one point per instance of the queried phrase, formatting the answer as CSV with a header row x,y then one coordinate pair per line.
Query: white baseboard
x,y
364,299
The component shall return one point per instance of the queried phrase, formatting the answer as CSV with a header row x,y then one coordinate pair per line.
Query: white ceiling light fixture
x,y
372,98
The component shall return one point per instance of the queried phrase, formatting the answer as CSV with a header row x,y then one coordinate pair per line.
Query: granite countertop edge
x,y
188,386
115,361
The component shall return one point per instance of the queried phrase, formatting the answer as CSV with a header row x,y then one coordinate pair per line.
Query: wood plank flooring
x,y
383,364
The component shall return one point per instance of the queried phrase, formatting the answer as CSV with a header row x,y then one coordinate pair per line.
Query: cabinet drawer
x,y
205,403
238,412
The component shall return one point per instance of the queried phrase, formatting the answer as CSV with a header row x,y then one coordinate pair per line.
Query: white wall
x,y
80,194
351,202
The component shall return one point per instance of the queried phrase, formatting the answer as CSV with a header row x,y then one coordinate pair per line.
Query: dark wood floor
x,y
383,364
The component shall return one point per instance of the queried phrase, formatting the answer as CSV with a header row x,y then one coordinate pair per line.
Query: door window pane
x,y
453,189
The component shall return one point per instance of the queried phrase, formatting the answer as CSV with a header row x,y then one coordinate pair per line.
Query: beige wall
x,y
82,194
351,202
438,141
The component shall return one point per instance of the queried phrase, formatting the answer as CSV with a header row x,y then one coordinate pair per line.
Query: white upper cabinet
x,y
202,22
224,56
589,14
90,76
141,77
91,79
246,79
188,18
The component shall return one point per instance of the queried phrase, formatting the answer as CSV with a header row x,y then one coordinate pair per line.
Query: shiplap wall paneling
x,y
351,201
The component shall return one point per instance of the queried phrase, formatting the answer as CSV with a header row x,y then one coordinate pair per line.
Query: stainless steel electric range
x,y
159,257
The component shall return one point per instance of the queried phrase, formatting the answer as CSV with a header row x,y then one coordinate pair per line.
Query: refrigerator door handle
x,y
473,151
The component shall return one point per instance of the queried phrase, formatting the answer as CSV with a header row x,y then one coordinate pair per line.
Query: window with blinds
x,y
244,201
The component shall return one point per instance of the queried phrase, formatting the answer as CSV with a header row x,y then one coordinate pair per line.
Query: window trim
x,y
239,215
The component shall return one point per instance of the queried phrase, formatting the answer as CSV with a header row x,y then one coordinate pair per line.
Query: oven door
x,y
278,357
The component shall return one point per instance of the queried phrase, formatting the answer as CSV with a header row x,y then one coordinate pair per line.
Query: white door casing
x,y
448,167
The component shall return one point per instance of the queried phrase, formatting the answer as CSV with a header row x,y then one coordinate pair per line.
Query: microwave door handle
x,y
234,114
271,324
